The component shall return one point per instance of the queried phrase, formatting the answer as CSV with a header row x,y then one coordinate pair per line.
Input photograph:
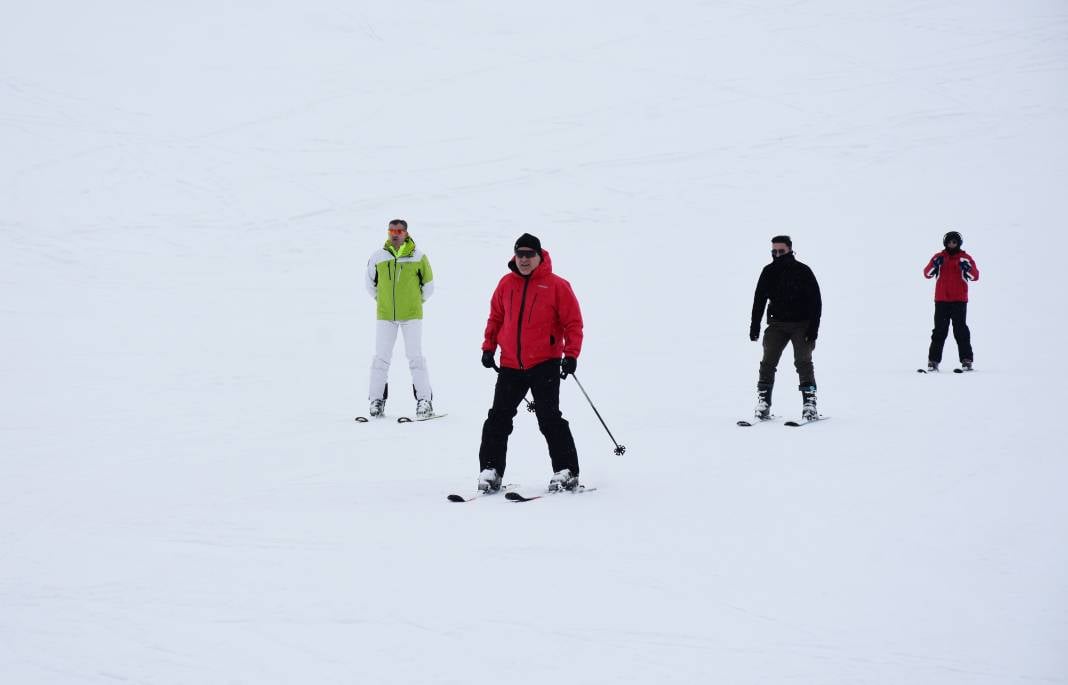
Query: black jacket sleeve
x,y
815,305
760,299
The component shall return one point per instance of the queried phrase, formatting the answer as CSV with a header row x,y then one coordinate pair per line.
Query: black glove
x,y
567,366
487,359
965,266
754,333
937,261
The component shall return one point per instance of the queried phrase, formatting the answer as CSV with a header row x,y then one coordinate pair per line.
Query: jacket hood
x,y
546,266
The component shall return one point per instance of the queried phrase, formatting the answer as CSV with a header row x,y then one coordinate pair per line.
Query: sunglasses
x,y
395,231
526,254
778,253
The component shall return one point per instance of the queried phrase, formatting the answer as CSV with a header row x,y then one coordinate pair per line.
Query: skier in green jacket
x,y
400,279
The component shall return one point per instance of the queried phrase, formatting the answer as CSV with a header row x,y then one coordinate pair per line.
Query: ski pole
x,y
530,403
620,449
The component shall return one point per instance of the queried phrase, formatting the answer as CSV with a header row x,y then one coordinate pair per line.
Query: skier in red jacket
x,y
954,268
535,319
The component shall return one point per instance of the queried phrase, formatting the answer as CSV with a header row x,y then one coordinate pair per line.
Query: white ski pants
x,y
385,340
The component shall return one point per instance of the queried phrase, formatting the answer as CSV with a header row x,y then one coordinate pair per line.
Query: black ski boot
x,y
563,480
489,481
763,405
808,399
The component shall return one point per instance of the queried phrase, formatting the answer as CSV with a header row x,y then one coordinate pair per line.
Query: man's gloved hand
x,y
487,359
937,261
966,269
567,366
754,334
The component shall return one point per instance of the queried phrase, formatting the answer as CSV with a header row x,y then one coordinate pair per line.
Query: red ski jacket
x,y
953,272
533,319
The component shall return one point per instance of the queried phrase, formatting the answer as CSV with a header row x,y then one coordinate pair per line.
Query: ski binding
x,y
804,422
408,419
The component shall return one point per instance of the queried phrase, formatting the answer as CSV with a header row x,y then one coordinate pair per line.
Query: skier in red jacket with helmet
x,y
954,268
535,319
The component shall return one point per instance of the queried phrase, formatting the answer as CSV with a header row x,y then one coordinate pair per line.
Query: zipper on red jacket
x,y
519,325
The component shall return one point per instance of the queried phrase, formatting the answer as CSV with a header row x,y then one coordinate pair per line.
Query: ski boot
x,y
563,480
378,409
489,481
932,367
808,397
966,364
423,409
763,405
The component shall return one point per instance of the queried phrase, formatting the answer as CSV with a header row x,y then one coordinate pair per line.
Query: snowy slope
x,y
190,193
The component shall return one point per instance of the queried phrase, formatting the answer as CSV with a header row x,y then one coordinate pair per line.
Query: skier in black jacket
x,y
793,317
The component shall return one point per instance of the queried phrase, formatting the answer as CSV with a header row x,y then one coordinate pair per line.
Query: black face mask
x,y
954,249
779,253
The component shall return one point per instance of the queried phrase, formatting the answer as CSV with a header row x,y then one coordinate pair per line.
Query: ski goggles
x,y
396,231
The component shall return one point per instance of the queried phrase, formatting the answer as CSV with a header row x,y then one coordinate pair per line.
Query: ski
x,y
804,422
746,423
516,497
480,495
361,419
963,370
408,419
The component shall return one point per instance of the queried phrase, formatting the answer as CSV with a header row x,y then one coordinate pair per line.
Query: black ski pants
x,y
776,337
543,381
957,313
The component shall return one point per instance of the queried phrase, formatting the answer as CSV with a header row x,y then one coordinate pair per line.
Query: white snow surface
x,y
190,192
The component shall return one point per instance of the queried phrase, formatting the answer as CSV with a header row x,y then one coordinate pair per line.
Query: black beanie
x,y
529,241
783,239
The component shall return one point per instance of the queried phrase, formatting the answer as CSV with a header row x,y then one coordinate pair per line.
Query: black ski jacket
x,y
794,293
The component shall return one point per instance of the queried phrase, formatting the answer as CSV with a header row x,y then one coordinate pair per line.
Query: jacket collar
x,y
544,269
406,248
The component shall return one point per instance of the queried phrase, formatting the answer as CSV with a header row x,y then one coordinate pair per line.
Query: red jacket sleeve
x,y
973,273
570,318
931,270
494,322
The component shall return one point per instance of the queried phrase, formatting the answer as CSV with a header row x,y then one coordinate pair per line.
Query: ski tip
x,y
516,497
456,498
744,424
404,419
361,419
